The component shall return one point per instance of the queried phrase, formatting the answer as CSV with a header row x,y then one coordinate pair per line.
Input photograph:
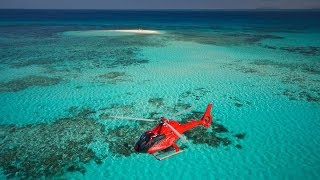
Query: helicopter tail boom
x,y
204,121
207,117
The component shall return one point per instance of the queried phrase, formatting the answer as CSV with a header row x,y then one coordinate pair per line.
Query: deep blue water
x,y
306,19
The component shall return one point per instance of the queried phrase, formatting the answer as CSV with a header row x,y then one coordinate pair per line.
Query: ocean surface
x,y
62,75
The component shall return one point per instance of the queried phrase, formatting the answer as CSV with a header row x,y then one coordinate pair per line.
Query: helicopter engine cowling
x,y
147,140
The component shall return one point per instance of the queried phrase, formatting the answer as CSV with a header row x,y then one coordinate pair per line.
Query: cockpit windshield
x,y
147,140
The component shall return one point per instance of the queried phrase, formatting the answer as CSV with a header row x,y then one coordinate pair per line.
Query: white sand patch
x,y
120,32
137,31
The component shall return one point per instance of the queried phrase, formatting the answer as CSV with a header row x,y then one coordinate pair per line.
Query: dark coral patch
x,y
193,115
219,128
113,77
139,40
46,150
199,135
156,102
120,52
223,39
39,62
268,46
290,94
310,69
304,50
124,57
240,135
122,139
305,94
239,103
247,69
195,94
179,107
78,112
104,115
115,109
300,80
154,115
28,81
308,96
302,67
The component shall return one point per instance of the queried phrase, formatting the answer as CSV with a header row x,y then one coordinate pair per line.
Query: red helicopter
x,y
161,139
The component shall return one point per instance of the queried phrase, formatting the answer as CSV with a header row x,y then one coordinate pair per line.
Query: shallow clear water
x,y
62,75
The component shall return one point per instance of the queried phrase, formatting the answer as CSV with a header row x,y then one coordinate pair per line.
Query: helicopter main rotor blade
x,y
131,118
177,133
183,111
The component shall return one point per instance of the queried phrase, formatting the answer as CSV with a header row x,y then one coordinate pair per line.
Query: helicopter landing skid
x,y
165,155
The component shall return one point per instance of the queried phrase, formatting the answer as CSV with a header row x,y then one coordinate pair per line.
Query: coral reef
x,y
308,96
195,94
238,103
200,135
39,62
156,102
52,149
113,77
307,50
28,81
223,39
45,150
300,79
303,50
240,135
68,57
122,139
116,109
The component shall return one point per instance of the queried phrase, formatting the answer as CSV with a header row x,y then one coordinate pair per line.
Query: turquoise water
x,y
62,75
